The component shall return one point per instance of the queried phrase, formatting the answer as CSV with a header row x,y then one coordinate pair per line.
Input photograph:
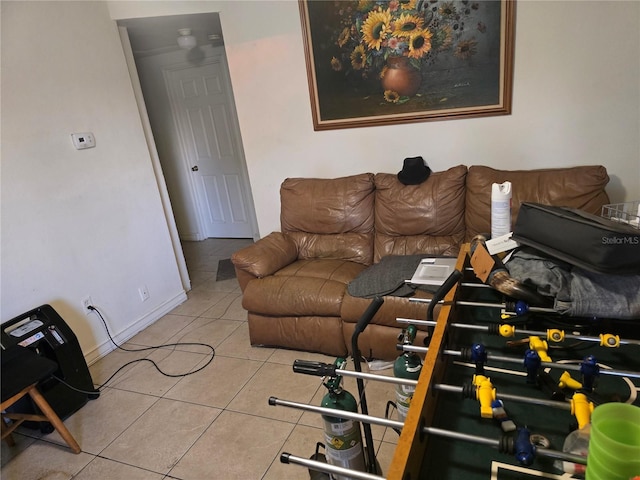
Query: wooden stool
x,y
22,369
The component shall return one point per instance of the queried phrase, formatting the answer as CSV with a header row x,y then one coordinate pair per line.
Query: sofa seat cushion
x,y
380,337
425,218
392,308
311,334
378,341
342,271
306,287
576,187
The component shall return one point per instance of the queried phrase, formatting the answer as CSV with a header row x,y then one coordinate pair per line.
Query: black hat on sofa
x,y
414,171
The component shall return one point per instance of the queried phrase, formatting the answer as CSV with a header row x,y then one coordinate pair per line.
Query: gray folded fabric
x,y
578,292
387,277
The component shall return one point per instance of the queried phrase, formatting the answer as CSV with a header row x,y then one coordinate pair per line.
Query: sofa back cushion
x,y
329,218
424,218
576,187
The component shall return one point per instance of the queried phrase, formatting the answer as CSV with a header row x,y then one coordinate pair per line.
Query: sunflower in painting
x,y
408,25
419,44
358,58
376,28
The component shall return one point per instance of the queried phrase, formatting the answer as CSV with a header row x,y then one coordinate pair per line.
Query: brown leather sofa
x,y
294,282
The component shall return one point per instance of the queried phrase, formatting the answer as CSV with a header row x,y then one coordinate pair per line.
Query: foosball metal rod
x,y
455,389
543,452
467,284
475,285
327,468
502,358
378,378
484,304
510,397
484,328
438,432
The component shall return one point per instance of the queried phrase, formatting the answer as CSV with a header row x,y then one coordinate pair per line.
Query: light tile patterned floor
x,y
212,425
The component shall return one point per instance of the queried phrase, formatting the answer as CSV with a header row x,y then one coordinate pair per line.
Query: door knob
x,y
194,168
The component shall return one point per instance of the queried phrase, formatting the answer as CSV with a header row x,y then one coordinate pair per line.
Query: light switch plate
x,y
83,140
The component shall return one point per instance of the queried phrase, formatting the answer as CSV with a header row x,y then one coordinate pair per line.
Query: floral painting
x,y
375,62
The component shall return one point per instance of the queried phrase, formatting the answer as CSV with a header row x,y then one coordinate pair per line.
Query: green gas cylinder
x,y
343,439
408,365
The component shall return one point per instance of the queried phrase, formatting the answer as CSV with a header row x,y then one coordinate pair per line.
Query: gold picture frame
x,y
372,63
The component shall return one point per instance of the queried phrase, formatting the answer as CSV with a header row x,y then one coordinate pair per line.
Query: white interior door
x,y
202,104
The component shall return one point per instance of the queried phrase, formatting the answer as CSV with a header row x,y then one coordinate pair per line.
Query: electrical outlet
x,y
86,303
144,293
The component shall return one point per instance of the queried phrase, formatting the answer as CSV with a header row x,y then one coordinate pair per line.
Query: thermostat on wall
x,y
83,140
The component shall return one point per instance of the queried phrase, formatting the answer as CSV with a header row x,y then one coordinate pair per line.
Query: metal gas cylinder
x,y
408,365
343,438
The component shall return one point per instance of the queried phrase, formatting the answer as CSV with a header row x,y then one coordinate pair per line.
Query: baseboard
x,y
143,322
192,237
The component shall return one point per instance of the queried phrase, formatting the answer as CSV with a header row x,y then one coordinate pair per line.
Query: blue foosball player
x,y
590,370
524,450
479,357
532,364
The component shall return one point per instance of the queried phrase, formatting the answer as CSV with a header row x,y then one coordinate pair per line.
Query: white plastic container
x,y
576,443
500,209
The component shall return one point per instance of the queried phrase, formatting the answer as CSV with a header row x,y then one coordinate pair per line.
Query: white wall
x,y
77,223
576,99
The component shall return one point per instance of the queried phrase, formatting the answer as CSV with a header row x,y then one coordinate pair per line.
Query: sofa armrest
x,y
264,258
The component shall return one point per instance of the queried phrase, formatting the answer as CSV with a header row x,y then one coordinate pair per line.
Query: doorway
x,y
192,128
208,134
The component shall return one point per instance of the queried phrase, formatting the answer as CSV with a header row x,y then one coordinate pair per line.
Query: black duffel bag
x,y
579,238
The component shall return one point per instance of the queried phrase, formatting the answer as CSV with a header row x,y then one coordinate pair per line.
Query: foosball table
x,y
505,390
503,385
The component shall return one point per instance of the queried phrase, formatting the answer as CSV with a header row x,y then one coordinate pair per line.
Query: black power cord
x,y
213,354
